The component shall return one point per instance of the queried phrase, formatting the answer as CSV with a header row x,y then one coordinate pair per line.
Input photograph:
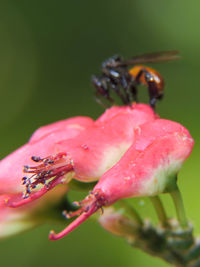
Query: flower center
x,y
48,170
96,197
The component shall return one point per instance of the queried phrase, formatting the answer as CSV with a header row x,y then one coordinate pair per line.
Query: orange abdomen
x,y
156,77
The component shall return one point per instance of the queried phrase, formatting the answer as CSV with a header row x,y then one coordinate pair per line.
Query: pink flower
x,y
78,148
128,149
148,168
42,143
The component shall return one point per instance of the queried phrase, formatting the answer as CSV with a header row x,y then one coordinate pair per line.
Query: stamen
x,y
51,167
84,201
92,209
83,204
71,214
76,203
93,202
17,201
36,159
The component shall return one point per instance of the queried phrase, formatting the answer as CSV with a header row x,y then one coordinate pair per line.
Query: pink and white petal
x,y
148,166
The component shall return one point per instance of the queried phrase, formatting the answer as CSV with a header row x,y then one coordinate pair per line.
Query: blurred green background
x,y
48,51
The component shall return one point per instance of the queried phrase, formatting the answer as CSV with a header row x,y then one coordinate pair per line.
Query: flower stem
x,y
178,202
160,210
131,211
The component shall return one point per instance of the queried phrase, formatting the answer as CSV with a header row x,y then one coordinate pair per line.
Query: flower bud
x,y
116,223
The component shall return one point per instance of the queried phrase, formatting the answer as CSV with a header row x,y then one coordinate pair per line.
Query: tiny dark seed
x,y
36,159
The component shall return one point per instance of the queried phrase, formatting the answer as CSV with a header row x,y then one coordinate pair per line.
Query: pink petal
x,y
159,150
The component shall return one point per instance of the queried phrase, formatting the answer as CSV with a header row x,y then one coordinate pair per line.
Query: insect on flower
x,y
128,150
124,82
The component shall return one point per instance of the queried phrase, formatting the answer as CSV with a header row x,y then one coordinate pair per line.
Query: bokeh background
x,y
48,51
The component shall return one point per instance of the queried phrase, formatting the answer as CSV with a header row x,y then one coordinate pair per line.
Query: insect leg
x,y
102,90
153,89
116,89
125,82
154,93
134,91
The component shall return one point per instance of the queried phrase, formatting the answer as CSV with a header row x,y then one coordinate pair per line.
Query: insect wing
x,y
149,58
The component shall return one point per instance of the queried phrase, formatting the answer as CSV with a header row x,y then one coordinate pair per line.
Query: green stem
x,y
131,211
178,202
160,210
